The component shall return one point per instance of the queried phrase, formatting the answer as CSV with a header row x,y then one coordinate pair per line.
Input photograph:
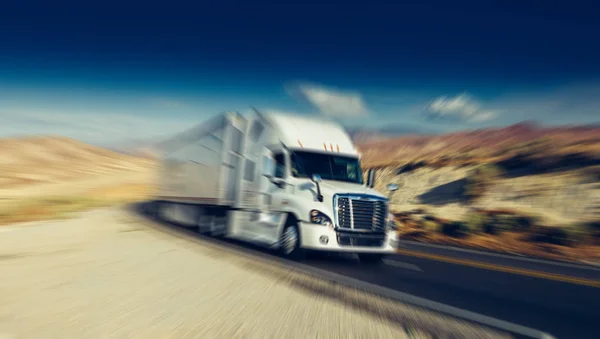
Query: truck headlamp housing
x,y
391,223
318,217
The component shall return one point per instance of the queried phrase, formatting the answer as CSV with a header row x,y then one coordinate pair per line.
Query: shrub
x,y
593,228
516,223
432,226
476,222
429,218
455,229
523,223
575,234
563,236
479,222
493,225
416,211
584,232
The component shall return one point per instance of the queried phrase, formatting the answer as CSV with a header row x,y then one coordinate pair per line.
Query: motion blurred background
x,y
485,114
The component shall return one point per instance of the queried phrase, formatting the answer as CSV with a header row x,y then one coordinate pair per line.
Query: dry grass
x,y
65,206
39,160
50,177
481,146
505,242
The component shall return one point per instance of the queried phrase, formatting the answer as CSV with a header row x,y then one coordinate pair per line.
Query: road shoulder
x,y
106,274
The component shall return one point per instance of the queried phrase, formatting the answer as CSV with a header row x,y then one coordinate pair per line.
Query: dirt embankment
x,y
473,189
47,160
54,177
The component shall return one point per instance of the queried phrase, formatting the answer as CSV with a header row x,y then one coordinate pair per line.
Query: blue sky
x,y
123,71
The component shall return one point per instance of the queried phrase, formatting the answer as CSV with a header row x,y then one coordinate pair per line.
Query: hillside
x,y
485,145
552,170
52,159
522,189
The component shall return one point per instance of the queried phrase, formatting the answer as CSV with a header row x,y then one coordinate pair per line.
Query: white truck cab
x,y
290,182
318,179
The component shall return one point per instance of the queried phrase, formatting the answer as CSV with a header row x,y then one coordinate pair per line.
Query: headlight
x,y
391,223
317,217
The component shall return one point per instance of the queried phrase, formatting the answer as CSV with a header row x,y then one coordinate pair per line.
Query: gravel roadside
x,y
105,274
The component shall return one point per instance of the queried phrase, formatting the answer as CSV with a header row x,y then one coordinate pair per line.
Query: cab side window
x,y
279,165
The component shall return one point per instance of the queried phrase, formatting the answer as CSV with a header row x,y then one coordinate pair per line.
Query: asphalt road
x,y
562,309
560,299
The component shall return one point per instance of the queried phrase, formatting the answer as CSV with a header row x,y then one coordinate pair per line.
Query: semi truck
x,y
289,182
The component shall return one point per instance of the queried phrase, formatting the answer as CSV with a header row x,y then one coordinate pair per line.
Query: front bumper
x,y
311,236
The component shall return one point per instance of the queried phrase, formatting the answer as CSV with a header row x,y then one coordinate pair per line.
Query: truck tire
x,y
221,230
201,227
162,211
289,242
371,258
154,209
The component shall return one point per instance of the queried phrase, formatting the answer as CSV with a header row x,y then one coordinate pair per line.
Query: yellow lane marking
x,y
513,270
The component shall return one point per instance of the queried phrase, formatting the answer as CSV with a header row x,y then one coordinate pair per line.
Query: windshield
x,y
328,166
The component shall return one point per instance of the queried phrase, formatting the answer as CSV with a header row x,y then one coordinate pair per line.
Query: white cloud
x,y
459,108
483,116
331,102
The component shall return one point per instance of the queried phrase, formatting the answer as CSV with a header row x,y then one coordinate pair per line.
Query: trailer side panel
x,y
195,163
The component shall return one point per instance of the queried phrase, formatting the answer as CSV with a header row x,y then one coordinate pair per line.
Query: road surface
x,y
565,310
560,299
106,274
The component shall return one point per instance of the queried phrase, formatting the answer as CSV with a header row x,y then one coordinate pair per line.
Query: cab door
x,y
274,190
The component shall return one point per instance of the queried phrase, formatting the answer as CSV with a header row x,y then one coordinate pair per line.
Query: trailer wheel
x,y
216,230
153,209
289,242
201,224
220,223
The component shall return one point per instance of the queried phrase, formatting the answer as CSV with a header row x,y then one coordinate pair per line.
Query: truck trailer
x,y
292,183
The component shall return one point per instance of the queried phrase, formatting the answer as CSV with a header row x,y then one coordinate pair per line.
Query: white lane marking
x,y
400,264
407,244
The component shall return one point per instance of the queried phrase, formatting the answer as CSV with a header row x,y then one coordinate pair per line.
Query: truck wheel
x,y
220,227
154,210
201,224
289,242
162,212
371,259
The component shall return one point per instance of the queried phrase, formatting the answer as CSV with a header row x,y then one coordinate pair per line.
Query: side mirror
x,y
370,178
316,178
279,182
392,187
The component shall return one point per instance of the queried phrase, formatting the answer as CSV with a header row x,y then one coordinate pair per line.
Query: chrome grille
x,y
362,213
360,239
